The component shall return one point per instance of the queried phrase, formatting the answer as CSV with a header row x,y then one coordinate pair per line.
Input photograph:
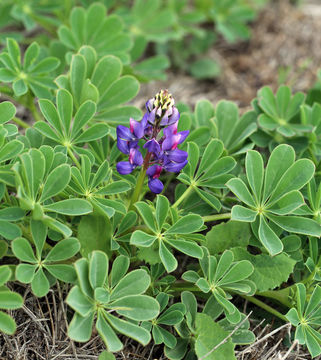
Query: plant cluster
x,y
241,219
175,32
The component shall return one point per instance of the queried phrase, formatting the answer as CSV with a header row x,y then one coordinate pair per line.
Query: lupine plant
x,y
160,223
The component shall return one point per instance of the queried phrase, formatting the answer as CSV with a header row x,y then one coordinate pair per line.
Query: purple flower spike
x,y
162,154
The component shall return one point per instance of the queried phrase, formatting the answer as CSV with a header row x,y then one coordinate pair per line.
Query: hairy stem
x,y
217,217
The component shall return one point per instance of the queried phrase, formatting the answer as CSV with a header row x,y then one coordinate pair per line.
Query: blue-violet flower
x,y
158,129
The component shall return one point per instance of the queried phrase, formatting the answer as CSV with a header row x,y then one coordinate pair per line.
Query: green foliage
x,y
220,277
164,236
41,268
31,74
8,301
92,27
305,316
101,82
272,195
242,219
101,294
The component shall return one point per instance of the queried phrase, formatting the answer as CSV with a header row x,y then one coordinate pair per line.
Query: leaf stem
x,y
264,306
73,157
216,217
21,123
185,194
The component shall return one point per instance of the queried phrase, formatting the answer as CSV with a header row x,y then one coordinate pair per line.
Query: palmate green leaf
x,y
167,258
93,27
10,150
232,130
136,307
268,237
80,328
297,224
9,231
162,208
40,284
63,250
24,76
98,269
119,269
187,247
134,283
295,177
241,213
146,213
238,187
78,302
7,324
186,225
72,207
56,182
23,250
10,300
107,334
25,273
62,272
7,111
140,238
254,172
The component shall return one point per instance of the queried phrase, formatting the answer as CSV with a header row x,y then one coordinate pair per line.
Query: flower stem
x,y
185,194
264,306
216,217
138,188
140,181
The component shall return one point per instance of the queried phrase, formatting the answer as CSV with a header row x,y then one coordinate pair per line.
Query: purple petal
x,y
155,185
152,146
182,136
135,157
123,146
177,156
151,116
175,167
174,117
171,130
170,142
124,167
154,171
137,128
149,104
124,133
